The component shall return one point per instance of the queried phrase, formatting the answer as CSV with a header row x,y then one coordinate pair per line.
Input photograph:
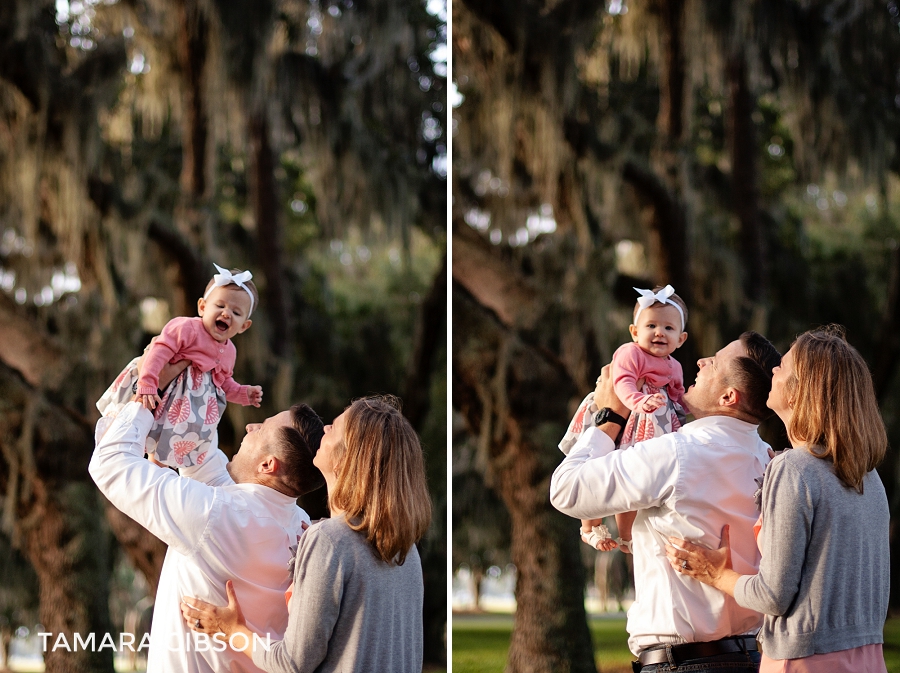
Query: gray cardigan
x,y
824,577
350,611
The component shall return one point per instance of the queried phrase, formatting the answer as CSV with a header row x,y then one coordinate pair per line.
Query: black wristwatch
x,y
607,415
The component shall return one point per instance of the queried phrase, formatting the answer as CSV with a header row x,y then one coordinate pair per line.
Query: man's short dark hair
x,y
752,374
297,446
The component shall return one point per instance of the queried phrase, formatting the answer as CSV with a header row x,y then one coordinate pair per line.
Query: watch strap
x,y
607,415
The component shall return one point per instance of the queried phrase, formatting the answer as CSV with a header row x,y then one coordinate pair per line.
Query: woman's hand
x,y
208,618
710,566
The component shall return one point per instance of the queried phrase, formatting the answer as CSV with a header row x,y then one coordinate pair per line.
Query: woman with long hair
x,y
824,577
358,588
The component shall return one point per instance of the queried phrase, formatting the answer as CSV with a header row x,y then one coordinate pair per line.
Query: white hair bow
x,y
648,298
225,277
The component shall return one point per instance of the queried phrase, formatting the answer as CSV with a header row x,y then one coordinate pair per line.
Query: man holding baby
x,y
222,520
688,485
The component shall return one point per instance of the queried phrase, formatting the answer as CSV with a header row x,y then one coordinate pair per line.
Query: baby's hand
x,y
149,401
255,394
652,403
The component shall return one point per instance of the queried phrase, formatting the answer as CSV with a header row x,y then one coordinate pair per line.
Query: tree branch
x,y
491,280
28,349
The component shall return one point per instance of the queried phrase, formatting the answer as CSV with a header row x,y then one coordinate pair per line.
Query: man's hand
x,y
255,394
605,394
169,371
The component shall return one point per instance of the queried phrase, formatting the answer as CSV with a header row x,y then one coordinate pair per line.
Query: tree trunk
x,y
668,226
745,190
53,514
429,333
267,213
673,75
69,552
193,44
514,397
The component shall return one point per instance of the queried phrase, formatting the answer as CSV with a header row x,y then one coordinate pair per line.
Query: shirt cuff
x,y
131,426
595,441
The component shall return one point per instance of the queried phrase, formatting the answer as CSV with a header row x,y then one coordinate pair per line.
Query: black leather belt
x,y
677,654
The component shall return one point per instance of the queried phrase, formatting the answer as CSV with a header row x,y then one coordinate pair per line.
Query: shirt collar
x,y
733,427
268,494
730,422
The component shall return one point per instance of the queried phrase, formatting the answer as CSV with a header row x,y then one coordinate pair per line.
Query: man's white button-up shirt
x,y
686,484
216,530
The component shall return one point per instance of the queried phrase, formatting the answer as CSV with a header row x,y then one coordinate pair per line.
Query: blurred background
x,y
143,140
746,153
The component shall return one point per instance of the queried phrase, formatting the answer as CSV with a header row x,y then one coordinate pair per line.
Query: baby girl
x,y
649,381
187,414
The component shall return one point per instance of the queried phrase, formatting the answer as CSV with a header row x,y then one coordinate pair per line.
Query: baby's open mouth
x,y
221,325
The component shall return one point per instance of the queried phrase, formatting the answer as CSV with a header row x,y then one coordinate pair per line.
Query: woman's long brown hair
x,y
381,483
834,408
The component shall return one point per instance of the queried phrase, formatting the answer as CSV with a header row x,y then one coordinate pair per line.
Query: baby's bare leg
x,y
624,522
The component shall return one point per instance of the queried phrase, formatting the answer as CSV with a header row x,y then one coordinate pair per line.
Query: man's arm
x,y
213,471
175,510
595,481
605,396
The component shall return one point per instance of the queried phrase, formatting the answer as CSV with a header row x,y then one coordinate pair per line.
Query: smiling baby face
x,y
225,312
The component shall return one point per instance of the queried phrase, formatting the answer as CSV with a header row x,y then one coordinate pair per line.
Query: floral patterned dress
x,y
640,426
185,422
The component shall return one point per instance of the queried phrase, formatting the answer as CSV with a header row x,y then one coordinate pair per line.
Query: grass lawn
x,y
480,644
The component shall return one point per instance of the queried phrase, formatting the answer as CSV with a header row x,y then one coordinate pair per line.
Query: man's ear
x,y
268,465
245,326
730,398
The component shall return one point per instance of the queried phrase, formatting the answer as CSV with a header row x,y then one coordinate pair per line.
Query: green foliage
x,y
366,299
